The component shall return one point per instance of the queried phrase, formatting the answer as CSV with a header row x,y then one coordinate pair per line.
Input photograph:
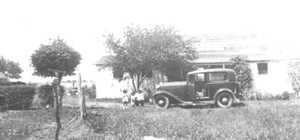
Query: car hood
x,y
177,83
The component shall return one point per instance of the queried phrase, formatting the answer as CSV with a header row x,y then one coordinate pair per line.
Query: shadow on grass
x,y
203,106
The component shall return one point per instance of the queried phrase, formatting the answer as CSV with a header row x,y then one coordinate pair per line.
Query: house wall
x,y
275,82
106,85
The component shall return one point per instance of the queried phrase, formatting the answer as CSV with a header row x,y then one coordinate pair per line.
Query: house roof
x,y
221,58
218,49
104,60
224,56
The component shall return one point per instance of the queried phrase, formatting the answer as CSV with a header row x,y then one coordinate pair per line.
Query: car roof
x,y
210,70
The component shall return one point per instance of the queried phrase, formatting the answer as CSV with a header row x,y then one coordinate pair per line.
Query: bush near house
x,y
17,96
243,75
294,76
257,95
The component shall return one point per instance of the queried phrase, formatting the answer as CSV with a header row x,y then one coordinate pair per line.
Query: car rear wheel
x,y
162,101
224,100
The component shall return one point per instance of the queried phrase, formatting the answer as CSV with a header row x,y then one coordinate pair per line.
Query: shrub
x,y
44,95
3,83
243,74
17,96
294,76
257,95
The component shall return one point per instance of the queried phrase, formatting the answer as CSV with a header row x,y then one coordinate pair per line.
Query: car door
x,y
216,81
200,85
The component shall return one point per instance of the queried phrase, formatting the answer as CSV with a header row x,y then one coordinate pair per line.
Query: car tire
x,y
224,100
162,101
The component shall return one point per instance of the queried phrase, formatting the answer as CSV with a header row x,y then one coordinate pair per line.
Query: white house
x,y
269,68
106,85
270,73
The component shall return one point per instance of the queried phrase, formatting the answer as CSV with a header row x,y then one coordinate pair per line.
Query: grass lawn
x,y
256,120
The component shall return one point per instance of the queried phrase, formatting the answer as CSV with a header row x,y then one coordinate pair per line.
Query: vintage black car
x,y
218,85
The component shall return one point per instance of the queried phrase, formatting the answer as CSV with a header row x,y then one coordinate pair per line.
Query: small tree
x,y
243,74
10,69
143,50
55,60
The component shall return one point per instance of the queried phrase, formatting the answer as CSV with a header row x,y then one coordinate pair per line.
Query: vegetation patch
x,y
257,120
274,120
17,96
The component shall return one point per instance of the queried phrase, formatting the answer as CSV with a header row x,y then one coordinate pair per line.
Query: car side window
x,y
217,76
199,77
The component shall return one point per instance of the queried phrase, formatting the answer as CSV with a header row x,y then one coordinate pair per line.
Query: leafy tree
x,y
243,73
58,55
143,50
55,60
10,69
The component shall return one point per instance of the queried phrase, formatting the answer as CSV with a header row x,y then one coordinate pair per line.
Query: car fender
x,y
167,93
223,90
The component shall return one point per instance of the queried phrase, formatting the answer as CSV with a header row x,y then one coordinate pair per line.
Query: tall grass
x,y
265,121
257,120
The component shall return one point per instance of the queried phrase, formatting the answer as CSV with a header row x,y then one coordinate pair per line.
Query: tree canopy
x,y
57,55
10,69
142,50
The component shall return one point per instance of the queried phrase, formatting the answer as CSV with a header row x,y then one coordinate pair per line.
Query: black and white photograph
x,y
149,70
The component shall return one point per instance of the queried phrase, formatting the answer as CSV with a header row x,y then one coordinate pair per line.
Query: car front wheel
x,y
224,100
162,101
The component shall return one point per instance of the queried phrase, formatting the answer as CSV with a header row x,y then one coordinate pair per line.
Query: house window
x,y
262,68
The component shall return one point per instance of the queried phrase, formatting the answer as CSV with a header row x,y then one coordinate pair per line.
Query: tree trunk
x,y
138,82
133,83
60,95
57,107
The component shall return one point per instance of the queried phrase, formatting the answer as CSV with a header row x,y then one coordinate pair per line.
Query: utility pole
x,y
83,113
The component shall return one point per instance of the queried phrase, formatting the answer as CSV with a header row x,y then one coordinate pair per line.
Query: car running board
x,y
203,98
188,103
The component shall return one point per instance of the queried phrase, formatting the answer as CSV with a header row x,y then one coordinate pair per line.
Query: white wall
x,y
276,81
106,85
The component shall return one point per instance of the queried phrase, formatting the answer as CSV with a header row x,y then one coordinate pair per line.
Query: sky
x,y
24,25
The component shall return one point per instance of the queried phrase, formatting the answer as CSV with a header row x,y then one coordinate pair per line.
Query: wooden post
x,y
82,98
